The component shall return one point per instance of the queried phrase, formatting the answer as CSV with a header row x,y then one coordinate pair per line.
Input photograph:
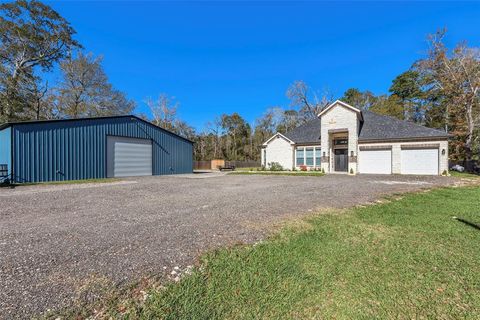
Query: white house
x,y
346,139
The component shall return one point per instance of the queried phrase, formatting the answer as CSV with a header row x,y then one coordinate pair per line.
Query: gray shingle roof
x,y
380,127
309,132
374,127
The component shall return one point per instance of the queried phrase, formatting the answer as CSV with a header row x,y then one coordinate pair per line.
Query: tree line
x,y
440,90
35,39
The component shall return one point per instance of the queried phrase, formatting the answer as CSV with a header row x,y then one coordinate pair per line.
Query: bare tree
x,y
201,145
164,110
42,101
215,129
309,104
270,120
183,129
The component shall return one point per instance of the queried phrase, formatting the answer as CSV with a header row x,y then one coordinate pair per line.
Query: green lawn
x,y
248,169
280,173
464,175
408,258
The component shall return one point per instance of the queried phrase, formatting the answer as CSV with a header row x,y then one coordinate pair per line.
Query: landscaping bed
x,y
281,173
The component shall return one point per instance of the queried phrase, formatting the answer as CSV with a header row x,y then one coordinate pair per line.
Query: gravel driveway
x,y
57,240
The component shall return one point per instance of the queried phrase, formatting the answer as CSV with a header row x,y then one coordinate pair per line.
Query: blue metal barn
x,y
74,149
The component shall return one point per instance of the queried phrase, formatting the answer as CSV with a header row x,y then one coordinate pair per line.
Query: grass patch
x,y
103,180
248,169
403,259
464,175
280,173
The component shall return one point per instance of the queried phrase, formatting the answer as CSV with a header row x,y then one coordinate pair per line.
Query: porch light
x,y
351,153
443,152
324,153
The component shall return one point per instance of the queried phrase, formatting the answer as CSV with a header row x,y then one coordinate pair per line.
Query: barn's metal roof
x,y
9,124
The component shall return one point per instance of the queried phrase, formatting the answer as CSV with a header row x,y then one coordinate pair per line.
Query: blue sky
x,y
224,57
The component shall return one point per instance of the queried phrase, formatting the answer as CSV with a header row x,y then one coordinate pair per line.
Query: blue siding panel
x,y
5,148
74,150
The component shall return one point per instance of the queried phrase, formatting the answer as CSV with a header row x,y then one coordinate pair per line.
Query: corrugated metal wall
x,y
74,150
5,148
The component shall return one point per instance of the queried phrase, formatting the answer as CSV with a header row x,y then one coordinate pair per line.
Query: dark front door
x,y
341,160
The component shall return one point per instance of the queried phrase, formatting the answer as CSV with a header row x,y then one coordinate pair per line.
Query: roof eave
x,y
344,104
373,140
308,143
278,134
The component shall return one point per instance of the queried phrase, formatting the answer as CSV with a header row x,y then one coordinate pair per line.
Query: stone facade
x,y
336,122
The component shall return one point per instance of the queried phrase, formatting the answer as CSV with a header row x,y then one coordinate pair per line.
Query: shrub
x,y
351,170
303,168
275,166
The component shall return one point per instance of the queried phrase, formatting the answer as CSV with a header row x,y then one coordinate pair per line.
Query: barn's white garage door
x,y
375,161
419,161
128,157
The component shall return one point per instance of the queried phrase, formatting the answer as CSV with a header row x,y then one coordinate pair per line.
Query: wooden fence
x,y
202,165
217,163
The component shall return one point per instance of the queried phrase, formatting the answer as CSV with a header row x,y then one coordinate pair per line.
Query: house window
x,y
318,156
300,156
340,141
309,157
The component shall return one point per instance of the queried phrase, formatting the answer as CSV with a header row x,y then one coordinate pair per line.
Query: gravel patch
x,y
59,243
18,191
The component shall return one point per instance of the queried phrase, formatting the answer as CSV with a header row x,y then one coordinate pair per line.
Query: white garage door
x,y
375,161
128,157
419,161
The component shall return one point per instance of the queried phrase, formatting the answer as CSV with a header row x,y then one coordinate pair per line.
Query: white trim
x,y
275,135
343,104
296,164
315,164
